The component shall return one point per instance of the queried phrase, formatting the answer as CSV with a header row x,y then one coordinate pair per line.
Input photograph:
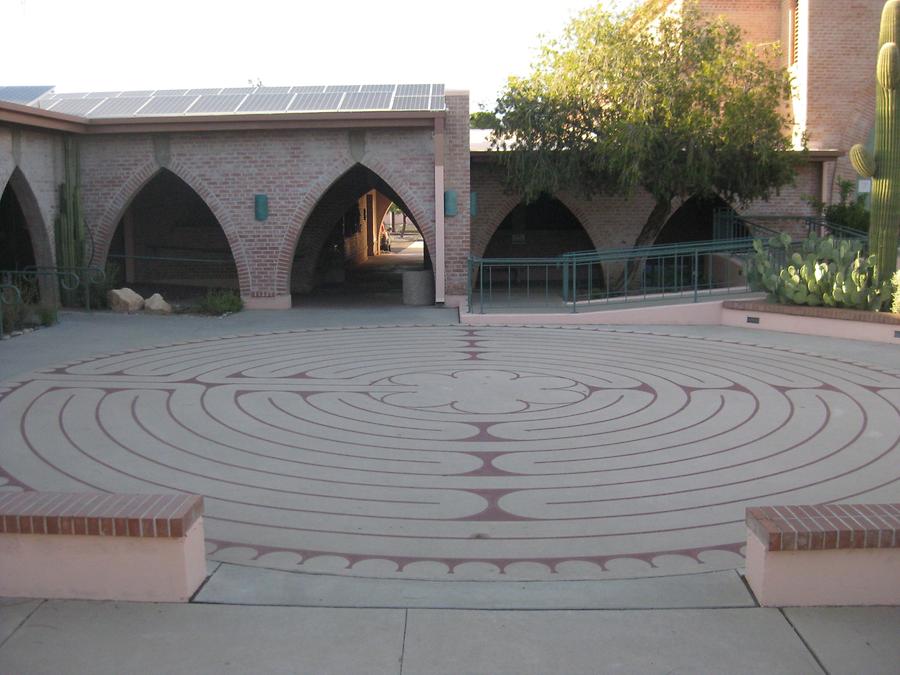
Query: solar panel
x,y
23,94
366,101
411,103
315,102
265,103
312,98
386,88
342,88
167,105
413,89
217,104
118,107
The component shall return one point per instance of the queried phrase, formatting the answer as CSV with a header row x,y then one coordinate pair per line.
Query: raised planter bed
x,y
825,321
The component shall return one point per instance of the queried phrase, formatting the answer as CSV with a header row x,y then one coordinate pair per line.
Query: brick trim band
x,y
98,513
841,313
827,526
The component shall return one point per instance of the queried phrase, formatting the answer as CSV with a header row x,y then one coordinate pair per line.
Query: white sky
x,y
97,45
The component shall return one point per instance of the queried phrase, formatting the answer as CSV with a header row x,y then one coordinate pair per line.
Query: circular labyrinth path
x,y
447,452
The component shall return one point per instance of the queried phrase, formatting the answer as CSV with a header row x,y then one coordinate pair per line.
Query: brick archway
x,y
320,189
105,228
41,242
503,208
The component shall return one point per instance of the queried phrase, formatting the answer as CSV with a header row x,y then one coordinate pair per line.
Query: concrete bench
x,y
101,546
831,554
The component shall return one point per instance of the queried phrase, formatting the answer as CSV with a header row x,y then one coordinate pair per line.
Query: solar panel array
x,y
237,100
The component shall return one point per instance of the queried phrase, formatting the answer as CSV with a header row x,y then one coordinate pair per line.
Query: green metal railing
x,y
8,291
587,279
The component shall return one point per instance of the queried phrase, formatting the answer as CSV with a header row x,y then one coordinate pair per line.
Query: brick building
x,y
253,185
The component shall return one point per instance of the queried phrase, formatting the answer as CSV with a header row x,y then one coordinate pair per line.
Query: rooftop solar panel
x,y
413,89
76,106
217,104
346,88
315,102
366,101
313,98
119,107
411,103
167,105
265,103
24,94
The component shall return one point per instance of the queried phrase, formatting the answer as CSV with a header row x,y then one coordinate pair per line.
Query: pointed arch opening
x,y
168,240
540,229
356,243
25,240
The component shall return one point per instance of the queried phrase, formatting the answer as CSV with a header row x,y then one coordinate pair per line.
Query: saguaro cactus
x,y
70,235
884,167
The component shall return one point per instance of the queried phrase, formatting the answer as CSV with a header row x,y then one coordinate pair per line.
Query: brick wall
x,y
31,164
456,177
294,168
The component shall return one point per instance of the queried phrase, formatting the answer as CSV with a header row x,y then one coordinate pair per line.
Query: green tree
x,y
481,119
676,104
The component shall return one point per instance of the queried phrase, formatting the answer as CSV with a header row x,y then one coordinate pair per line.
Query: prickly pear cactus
x,y
884,167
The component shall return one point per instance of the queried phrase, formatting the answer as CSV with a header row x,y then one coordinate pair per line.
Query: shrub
x,y
822,272
895,282
220,302
849,210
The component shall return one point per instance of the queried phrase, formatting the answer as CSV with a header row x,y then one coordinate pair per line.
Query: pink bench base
x,y
820,578
91,567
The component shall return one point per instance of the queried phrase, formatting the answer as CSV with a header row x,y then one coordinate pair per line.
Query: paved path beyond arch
x,y
448,452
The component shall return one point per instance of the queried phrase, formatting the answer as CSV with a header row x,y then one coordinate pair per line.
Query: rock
x,y
156,305
124,300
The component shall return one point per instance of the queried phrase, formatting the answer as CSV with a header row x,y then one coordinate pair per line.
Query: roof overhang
x,y
28,116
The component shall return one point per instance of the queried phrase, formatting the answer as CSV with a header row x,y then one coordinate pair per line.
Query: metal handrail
x,y
87,276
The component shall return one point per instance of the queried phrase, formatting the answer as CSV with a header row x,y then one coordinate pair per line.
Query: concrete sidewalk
x,y
97,638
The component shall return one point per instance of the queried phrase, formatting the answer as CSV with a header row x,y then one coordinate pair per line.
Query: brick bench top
x,y
820,312
99,513
827,526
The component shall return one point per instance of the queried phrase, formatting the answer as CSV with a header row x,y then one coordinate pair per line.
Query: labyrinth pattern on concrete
x,y
447,452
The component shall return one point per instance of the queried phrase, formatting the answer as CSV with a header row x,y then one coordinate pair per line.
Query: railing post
x,y
469,263
565,282
696,272
574,285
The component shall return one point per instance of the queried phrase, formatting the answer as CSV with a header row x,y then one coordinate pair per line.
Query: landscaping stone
x,y
155,304
124,300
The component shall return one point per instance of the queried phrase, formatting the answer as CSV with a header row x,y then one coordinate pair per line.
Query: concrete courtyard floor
x,y
389,491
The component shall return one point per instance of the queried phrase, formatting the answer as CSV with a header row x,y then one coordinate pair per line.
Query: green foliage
x,y
676,104
895,282
849,211
482,119
219,302
30,312
884,166
822,272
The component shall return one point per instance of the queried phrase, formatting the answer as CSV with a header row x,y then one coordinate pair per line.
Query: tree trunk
x,y
656,221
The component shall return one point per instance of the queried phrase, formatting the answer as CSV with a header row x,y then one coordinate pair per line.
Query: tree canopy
x,y
677,104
